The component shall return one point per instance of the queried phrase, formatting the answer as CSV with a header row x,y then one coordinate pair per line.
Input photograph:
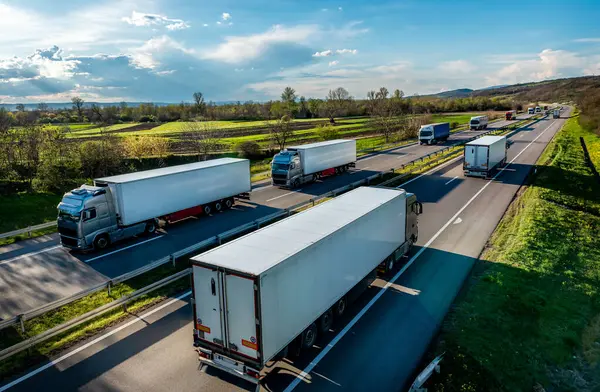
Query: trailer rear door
x,y
476,157
242,315
208,304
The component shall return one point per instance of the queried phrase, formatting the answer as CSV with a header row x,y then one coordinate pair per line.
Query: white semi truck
x,y
478,122
270,294
297,165
484,155
122,206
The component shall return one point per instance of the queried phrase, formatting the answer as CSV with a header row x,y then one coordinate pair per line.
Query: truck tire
x,y
101,242
390,264
295,184
340,307
207,209
150,227
309,336
228,203
326,321
218,206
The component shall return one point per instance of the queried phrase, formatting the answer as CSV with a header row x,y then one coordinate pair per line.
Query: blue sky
x,y
113,50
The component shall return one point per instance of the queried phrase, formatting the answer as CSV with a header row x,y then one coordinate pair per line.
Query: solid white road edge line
x,y
29,254
119,250
98,339
364,310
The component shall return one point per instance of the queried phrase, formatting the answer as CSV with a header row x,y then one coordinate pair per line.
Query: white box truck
x,y
530,110
297,165
484,155
272,292
122,206
478,122
556,113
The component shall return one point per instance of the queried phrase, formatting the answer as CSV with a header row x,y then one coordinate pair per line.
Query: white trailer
x,y
120,207
478,122
484,155
300,164
270,292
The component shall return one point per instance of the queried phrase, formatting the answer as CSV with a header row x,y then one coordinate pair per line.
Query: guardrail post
x,y
257,223
109,286
172,258
22,323
312,201
29,231
219,241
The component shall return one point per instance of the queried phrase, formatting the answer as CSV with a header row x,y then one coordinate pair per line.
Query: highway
x,y
39,271
383,337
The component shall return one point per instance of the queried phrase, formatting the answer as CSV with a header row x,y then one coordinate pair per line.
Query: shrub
x,y
249,150
327,132
454,125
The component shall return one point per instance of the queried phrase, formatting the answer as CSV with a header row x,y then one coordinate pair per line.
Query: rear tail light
x,y
252,373
204,354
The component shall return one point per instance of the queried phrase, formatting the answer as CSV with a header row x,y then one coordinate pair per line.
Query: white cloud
x,y
145,19
324,9
340,9
350,30
399,66
237,49
346,51
333,63
457,67
47,63
226,16
324,53
205,25
145,55
219,23
587,40
167,72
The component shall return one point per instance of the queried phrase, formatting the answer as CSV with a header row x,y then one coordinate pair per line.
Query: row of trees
x,y
337,103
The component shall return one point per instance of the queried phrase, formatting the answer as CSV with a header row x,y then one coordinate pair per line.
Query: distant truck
x,y
484,155
538,109
123,206
556,113
511,115
433,133
271,293
478,122
530,110
301,164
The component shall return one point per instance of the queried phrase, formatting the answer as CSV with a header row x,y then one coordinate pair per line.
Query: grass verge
x,y
51,347
529,317
27,209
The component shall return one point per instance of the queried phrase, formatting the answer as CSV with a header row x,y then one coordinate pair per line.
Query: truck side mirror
x,y
419,208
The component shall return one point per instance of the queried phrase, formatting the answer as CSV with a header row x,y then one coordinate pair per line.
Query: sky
x,y
230,50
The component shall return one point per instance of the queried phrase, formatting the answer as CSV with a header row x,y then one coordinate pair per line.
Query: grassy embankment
x,y
530,315
23,210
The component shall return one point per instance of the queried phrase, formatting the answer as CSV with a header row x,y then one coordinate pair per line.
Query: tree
x,y
327,132
398,94
42,107
382,93
139,147
288,95
20,107
249,149
335,102
78,106
199,103
101,157
280,131
314,105
203,138
27,152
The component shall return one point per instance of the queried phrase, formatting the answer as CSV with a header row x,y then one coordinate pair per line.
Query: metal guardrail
x,y
28,230
205,244
26,344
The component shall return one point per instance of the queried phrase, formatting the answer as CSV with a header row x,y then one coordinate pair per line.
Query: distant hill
x,y
568,89
458,93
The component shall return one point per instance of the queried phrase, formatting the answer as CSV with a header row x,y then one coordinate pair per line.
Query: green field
x,y
27,209
530,316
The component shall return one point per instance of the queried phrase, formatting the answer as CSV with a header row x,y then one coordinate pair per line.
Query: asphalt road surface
x,y
36,272
385,332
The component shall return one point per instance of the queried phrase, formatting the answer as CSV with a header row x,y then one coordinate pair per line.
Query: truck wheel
x,y
326,321
150,227
340,307
315,178
207,209
309,337
101,242
218,206
296,183
228,203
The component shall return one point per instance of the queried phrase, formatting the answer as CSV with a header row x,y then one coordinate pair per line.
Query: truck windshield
x,y
280,166
425,133
67,216
474,122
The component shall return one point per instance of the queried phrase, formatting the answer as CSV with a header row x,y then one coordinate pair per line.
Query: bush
x,y
327,132
454,125
249,150
147,118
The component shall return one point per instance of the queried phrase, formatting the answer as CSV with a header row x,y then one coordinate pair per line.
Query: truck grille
x,y
67,231
280,177
70,242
